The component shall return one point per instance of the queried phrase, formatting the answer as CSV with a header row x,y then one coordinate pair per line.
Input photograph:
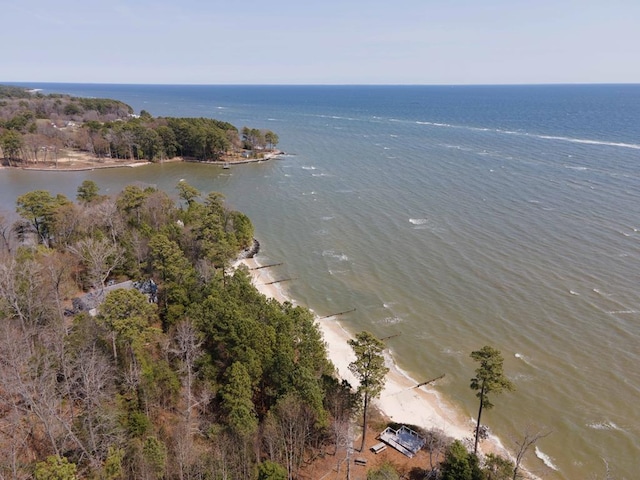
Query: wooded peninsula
x,y
61,131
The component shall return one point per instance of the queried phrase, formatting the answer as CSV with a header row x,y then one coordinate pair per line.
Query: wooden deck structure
x,y
404,440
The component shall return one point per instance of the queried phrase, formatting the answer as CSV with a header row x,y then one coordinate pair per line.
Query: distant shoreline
x,y
86,163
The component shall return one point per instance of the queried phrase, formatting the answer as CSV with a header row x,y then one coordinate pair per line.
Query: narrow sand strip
x,y
400,400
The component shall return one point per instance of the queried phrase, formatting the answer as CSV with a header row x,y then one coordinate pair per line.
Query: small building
x,y
405,440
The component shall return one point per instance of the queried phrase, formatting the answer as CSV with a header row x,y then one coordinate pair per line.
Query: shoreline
x,y
401,400
87,165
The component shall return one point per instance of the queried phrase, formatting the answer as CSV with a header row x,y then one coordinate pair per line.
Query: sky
x,y
426,42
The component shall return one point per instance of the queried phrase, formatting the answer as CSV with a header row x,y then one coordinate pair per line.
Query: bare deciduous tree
x,y
523,444
100,257
288,432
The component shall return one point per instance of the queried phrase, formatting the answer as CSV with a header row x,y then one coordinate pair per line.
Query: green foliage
x,y
257,358
39,208
9,91
489,378
130,201
137,423
72,109
112,469
129,137
269,470
271,139
87,191
187,193
369,369
385,472
56,467
127,312
498,468
104,106
237,401
11,143
201,138
155,456
459,464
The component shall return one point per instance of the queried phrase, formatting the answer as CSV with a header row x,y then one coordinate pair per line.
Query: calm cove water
x,y
455,217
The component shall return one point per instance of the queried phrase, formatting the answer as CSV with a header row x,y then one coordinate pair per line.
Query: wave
x,y
580,169
546,459
605,425
584,141
335,255
391,320
588,142
519,356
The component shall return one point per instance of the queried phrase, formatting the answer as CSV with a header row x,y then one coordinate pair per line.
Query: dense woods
x,y
198,376
39,129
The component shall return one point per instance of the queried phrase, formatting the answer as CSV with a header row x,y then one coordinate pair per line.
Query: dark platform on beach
x,y
404,440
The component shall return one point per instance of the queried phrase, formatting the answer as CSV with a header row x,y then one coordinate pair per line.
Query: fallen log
x,y
390,336
429,381
267,266
337,314
279,281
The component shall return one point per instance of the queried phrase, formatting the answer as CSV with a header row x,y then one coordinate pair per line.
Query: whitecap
x,y
335,255
418,221
524,358
605,425
305,167
391,320
573,293
580,169
328,218
337,272
450,351
546,459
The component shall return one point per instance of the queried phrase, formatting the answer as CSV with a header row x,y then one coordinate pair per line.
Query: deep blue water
x,y
453,216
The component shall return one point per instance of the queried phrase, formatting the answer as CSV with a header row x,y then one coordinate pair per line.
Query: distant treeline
x,y
39,128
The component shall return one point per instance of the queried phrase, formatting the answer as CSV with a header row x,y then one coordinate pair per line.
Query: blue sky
x,y
320,42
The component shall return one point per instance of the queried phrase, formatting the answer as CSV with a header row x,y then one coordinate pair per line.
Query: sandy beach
x,y
401,400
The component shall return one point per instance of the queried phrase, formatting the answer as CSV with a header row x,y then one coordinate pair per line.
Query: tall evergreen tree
x,y
369,369
489,378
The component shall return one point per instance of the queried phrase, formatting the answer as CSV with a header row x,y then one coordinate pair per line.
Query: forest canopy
x,y
131,349
38,129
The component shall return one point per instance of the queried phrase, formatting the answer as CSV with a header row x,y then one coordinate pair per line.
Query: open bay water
x,y
454,217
